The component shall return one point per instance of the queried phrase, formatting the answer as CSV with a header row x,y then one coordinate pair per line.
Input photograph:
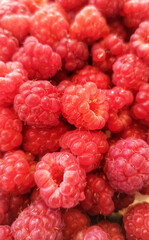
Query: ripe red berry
x,y
5,233
92,232
70,5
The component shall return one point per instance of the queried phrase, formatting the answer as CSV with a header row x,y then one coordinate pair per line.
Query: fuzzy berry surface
x,y
17,172
5,233
71,5
61,180
127,165
85,106
87,146
91,233
38,222
38,104
10,130
136,222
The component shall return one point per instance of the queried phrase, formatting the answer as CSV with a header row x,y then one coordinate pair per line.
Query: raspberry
x,y
35,195
39,60
98,196
82,26
4,207
136,222
117,27
38,222
38,104
62,86
60,179
141,107
122,200
12,75
34,5
41,141
5,233
85,106
94,232
73,52
17,172
91,74
113,230
49,24
9,7
109,8
130,72
135,130
8,45
70,5
74,221
10,130
126,165
87,146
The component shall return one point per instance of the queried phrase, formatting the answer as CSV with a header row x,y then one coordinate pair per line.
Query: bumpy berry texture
x,y
4,207
38,104
5,233
70,5
136,222
34,5
49,24
130,72
135,130
126,165
74,221
73,53
41,141
87,146
85,106
39,60
122,200
10,130
82,26
17,172
113,230
141,108
117,27
61,180
91,74
12,75
62,86
98,196
38,222
94,232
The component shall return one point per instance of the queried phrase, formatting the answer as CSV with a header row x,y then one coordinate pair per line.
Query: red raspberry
x,y
60,179
141,107
8,45
109,8
9,7
5,233
49,24
34,5
10,130
62,86
70,5
17,172
87,146
73,52
113,230
41,141
85,106
127,165
38,59
82,26
38,222
148,137
38,104
122,200
12,75
135,12
135,130
136,222
91,74
4,207
94,232
74,221
130,72
98,196
117,27
35,195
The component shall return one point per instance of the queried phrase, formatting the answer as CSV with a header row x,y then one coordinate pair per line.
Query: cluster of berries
x,y
74,119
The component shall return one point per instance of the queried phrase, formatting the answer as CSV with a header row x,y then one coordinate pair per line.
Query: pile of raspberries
x,y
74,119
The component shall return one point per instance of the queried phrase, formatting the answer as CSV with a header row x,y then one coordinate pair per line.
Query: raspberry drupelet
x,y
10,130
93,232
126,165
130,72
87,146
98,195
5,233
71,5
61,180
91,74
38,222
85,106
38,59
136,222
17,172
12,75
82,26
74,53
49,24
62,86
38,104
